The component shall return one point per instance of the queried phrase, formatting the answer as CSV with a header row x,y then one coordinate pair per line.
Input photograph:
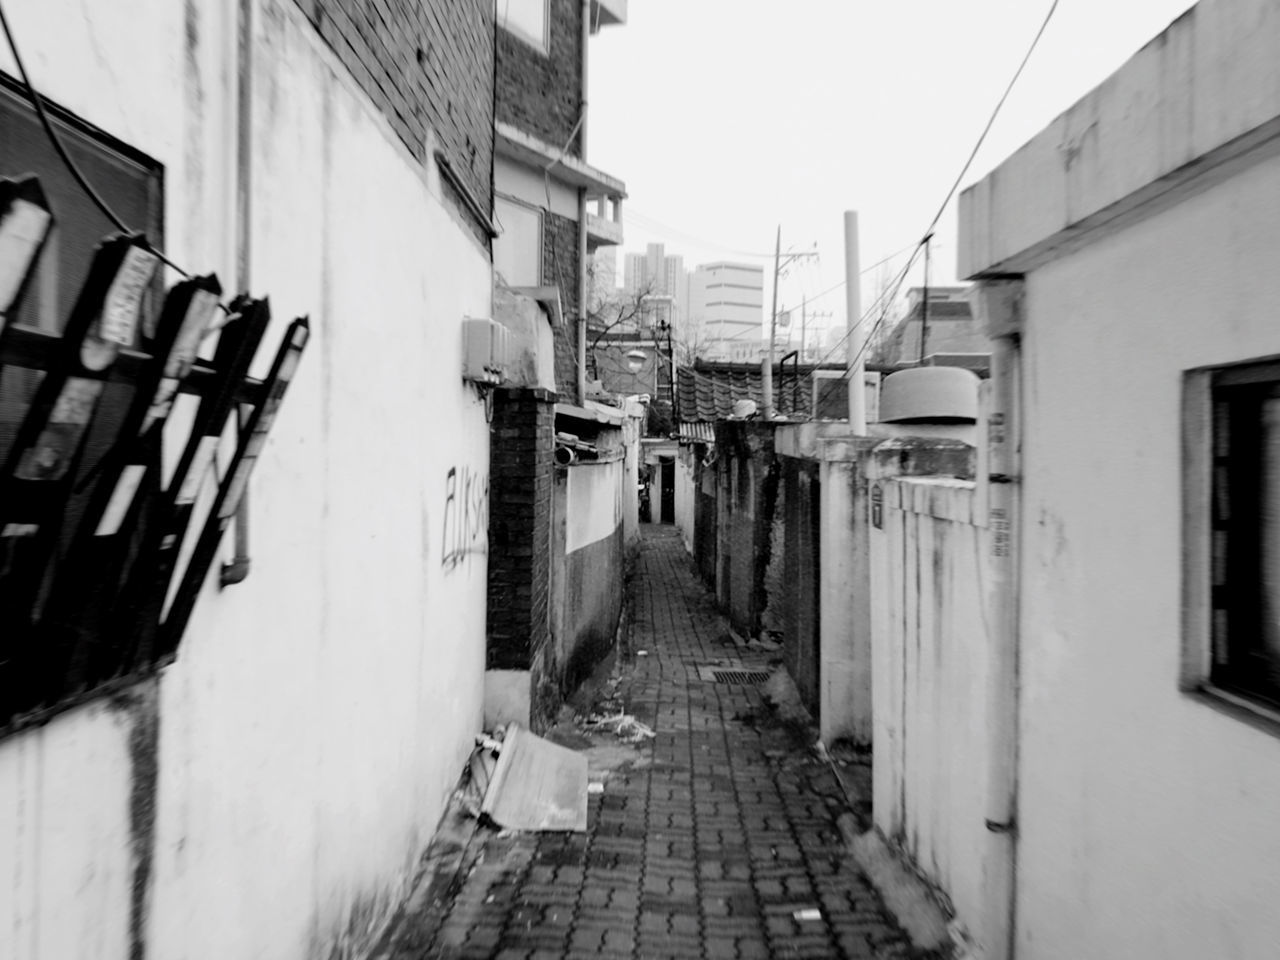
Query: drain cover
x,y
753,677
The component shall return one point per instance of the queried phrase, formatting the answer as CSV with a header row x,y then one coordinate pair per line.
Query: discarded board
x,y
537,785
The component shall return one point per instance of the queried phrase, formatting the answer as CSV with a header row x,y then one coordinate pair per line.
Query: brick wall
x,y
426,66
520,477
541,93
560,269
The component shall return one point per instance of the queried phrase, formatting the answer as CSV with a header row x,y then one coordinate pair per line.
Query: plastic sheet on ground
x,y
626,727
537,785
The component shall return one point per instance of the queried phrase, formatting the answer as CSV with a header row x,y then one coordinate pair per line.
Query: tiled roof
x,y
708,392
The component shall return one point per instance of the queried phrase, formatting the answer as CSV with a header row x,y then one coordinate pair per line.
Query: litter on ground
x,y
625,727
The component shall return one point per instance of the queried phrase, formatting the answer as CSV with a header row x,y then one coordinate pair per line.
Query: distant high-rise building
x,y
663,281
726,301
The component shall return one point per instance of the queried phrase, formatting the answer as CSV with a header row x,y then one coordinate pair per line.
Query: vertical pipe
x,y
856,335
582,209
236,571
1000,304
804,303
766,383
924,303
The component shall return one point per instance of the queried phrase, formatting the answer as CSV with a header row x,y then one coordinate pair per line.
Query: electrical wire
x,y
943,206
61,150
658,226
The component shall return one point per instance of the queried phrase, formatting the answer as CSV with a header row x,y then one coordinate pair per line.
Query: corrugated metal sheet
x,y
697,432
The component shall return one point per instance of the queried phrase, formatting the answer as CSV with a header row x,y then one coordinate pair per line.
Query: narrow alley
x,y
717,838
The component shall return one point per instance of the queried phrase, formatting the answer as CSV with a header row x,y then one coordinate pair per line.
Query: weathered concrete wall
x,y
748,480
705,513
587,577
275,797
686,467
929,654
797,595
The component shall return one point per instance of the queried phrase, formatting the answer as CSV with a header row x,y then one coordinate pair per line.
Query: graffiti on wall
x,y
466,516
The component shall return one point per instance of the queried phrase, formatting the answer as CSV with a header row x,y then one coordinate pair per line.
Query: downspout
x,y
235,571
582,210
1000,305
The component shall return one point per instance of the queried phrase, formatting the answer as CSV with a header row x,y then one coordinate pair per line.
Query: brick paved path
x,y
706,844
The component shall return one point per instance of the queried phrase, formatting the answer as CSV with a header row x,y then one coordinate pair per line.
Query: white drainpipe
x,y
582,212
999,304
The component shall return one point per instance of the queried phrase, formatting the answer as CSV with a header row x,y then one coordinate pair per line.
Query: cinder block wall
x,y
427,66
520,491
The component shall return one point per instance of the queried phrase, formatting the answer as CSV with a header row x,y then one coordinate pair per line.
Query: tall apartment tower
x,y
664,279
726,300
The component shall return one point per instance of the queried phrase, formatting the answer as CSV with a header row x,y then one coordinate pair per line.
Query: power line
x,y
946,200
862,273
658,226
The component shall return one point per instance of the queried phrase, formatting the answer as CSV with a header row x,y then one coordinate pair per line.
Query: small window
x,y
526,19
517,250
1234,487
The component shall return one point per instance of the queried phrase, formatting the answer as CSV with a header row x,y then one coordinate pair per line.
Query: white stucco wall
x,y
65,837
593,509
1148,823
930,649
319,713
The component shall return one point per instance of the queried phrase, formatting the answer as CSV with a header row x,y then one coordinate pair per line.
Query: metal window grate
x,y
752,677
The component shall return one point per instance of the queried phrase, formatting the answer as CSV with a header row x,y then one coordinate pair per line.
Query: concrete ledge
x,y
906,896
922,457
1203,93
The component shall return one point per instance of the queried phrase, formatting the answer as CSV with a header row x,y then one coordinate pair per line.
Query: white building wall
x,y
726,301
319,713
1148,823
1147,222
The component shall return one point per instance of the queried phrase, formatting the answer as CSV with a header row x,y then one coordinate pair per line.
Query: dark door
x,y
668,491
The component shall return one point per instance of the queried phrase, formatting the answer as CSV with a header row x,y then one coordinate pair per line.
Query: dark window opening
x,y
1245,538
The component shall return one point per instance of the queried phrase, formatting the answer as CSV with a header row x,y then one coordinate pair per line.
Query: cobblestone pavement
x,y
715,839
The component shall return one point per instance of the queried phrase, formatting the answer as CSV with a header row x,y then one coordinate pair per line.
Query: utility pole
x,y
924,302
767,373
804,302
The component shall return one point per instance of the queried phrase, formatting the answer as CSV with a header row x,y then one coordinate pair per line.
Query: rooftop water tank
x,y
930,395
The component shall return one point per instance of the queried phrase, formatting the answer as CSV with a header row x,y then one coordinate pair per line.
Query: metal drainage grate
x,y
754,677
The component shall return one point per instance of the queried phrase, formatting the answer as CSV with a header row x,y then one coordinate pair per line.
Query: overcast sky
x,y
728,117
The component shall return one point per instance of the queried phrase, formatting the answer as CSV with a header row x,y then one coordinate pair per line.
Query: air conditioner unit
x,y
484,350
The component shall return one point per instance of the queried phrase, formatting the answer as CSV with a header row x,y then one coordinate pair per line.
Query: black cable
x,y
950,194
994,113
61,149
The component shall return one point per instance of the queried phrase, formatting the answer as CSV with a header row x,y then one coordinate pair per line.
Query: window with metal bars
x,y
39,672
